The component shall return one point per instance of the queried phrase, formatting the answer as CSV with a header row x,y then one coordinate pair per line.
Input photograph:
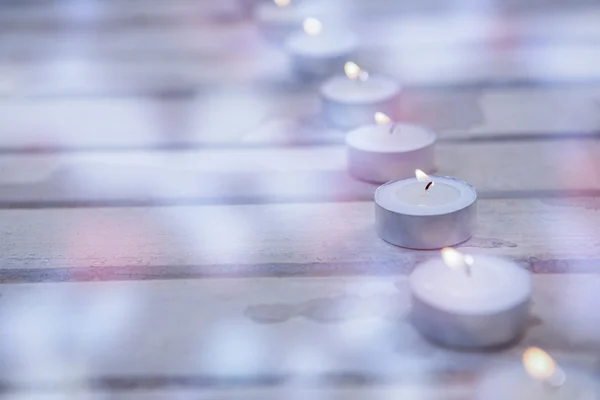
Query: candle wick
x,y
468,270
392,129
430,184
557,380
468,263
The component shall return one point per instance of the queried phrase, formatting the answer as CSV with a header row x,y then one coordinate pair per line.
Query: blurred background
x,y
176,220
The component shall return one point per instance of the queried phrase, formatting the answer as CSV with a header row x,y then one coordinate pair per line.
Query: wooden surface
x,y
176,220
276,119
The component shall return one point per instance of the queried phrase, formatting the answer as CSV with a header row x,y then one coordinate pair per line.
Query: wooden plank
x,y
546,235
36,15
83,75
43,15
125,122
265,332
186,37
492,27
195,42
205,119
505,169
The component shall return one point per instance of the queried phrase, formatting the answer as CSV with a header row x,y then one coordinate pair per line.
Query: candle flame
x,y
312,26
539,364
382,119
455,259
352,70
422,176
282,3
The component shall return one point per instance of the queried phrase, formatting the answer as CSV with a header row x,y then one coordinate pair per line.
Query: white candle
x,y
470,301
426,212
318,51
539,378
350,101
279,18
385,151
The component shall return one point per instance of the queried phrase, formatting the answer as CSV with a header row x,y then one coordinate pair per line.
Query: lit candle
x,y
318,51
425,212
350,101
470,301
386,150
539,378
278,18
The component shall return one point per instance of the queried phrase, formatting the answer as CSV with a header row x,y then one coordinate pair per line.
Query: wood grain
x,y
546,235
315,174
169,230
261,118
263,332
36,16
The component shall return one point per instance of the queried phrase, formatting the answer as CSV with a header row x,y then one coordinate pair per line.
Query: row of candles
x,y
459,300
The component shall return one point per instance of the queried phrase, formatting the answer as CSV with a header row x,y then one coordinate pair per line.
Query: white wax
x,y
437,195
409,196
390,138
327,44
269,11
374,89
494,285
512,382
292,15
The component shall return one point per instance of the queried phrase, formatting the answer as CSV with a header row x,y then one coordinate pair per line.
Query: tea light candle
x,y
425,212
540,378
318,52
385,151
470,301
277,19
350,101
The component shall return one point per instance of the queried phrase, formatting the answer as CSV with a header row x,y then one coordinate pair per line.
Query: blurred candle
x,y
319,51
277,19
538,378
386,150
470,300
350,101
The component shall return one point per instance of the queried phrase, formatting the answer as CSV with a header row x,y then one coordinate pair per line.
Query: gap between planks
x,y
331,138
403,266
124,388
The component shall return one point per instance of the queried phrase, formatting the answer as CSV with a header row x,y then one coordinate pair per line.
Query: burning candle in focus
x,y
425,212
